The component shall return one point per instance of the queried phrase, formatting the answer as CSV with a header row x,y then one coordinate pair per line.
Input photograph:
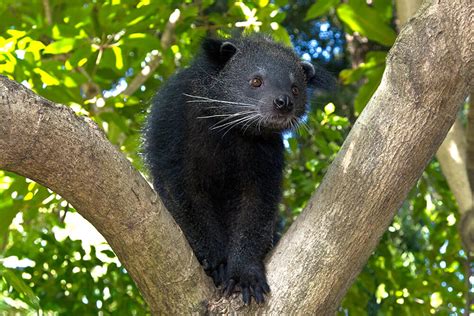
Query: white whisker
x,y
206,99
230,117
226,115
254,119
237,123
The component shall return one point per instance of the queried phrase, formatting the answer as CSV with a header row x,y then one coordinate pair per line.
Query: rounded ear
x,y
316,77
227,50
309,70
218,51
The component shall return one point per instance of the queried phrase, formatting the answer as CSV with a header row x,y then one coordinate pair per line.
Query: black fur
x,y
218,170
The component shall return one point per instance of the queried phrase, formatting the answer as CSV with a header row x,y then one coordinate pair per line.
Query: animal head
x,y
258,85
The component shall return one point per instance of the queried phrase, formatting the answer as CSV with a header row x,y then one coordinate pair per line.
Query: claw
x,y
229,287
246,295
258,293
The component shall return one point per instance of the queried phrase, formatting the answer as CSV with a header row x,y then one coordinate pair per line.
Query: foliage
x,y
418,267
375,23
84,56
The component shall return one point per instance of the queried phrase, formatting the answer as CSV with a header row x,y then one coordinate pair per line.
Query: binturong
x,y
214,147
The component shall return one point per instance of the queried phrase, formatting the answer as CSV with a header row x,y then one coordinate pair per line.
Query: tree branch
x,y
466,227
452,159
47,12
51,145
470,142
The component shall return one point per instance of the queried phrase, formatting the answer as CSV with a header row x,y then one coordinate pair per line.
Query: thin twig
x,y
142,76
47,12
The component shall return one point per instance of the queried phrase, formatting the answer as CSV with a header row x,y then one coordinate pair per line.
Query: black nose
x,y
283,103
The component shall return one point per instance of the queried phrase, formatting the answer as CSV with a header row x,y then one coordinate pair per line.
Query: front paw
x,y
216,270
250,278
214,262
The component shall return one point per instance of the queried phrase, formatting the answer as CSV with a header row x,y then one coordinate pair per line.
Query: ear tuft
x,y
317,77
218,51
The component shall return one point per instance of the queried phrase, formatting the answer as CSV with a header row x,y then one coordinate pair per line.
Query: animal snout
x,y
283,103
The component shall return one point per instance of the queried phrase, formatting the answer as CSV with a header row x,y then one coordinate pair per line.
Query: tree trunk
x,y
457,169
429,72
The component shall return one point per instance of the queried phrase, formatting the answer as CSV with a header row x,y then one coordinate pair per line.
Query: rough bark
x,y
452,152
428,74
71,155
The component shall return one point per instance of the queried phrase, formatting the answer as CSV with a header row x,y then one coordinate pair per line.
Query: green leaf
x,y
80,55
329,108
7,214
46,77
21,287
293,144
372,60
136,20
320,8
384,8
118,57
60,47
349,76
16,33
281,35
109,253
367,22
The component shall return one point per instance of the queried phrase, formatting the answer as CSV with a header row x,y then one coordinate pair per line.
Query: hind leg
x,y
195,216
207,237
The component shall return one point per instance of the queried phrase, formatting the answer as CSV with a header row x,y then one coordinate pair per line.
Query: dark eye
x,y
295,91
256,82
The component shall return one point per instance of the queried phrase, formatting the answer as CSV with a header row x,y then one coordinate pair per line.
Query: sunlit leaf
x,y
118,57
384,9
60,47
46,77
329,108
135,21
20,286
320,8
7,213
436,300
367,22
16,33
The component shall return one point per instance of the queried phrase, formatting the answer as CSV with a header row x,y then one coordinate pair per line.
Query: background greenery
x,y
83,54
